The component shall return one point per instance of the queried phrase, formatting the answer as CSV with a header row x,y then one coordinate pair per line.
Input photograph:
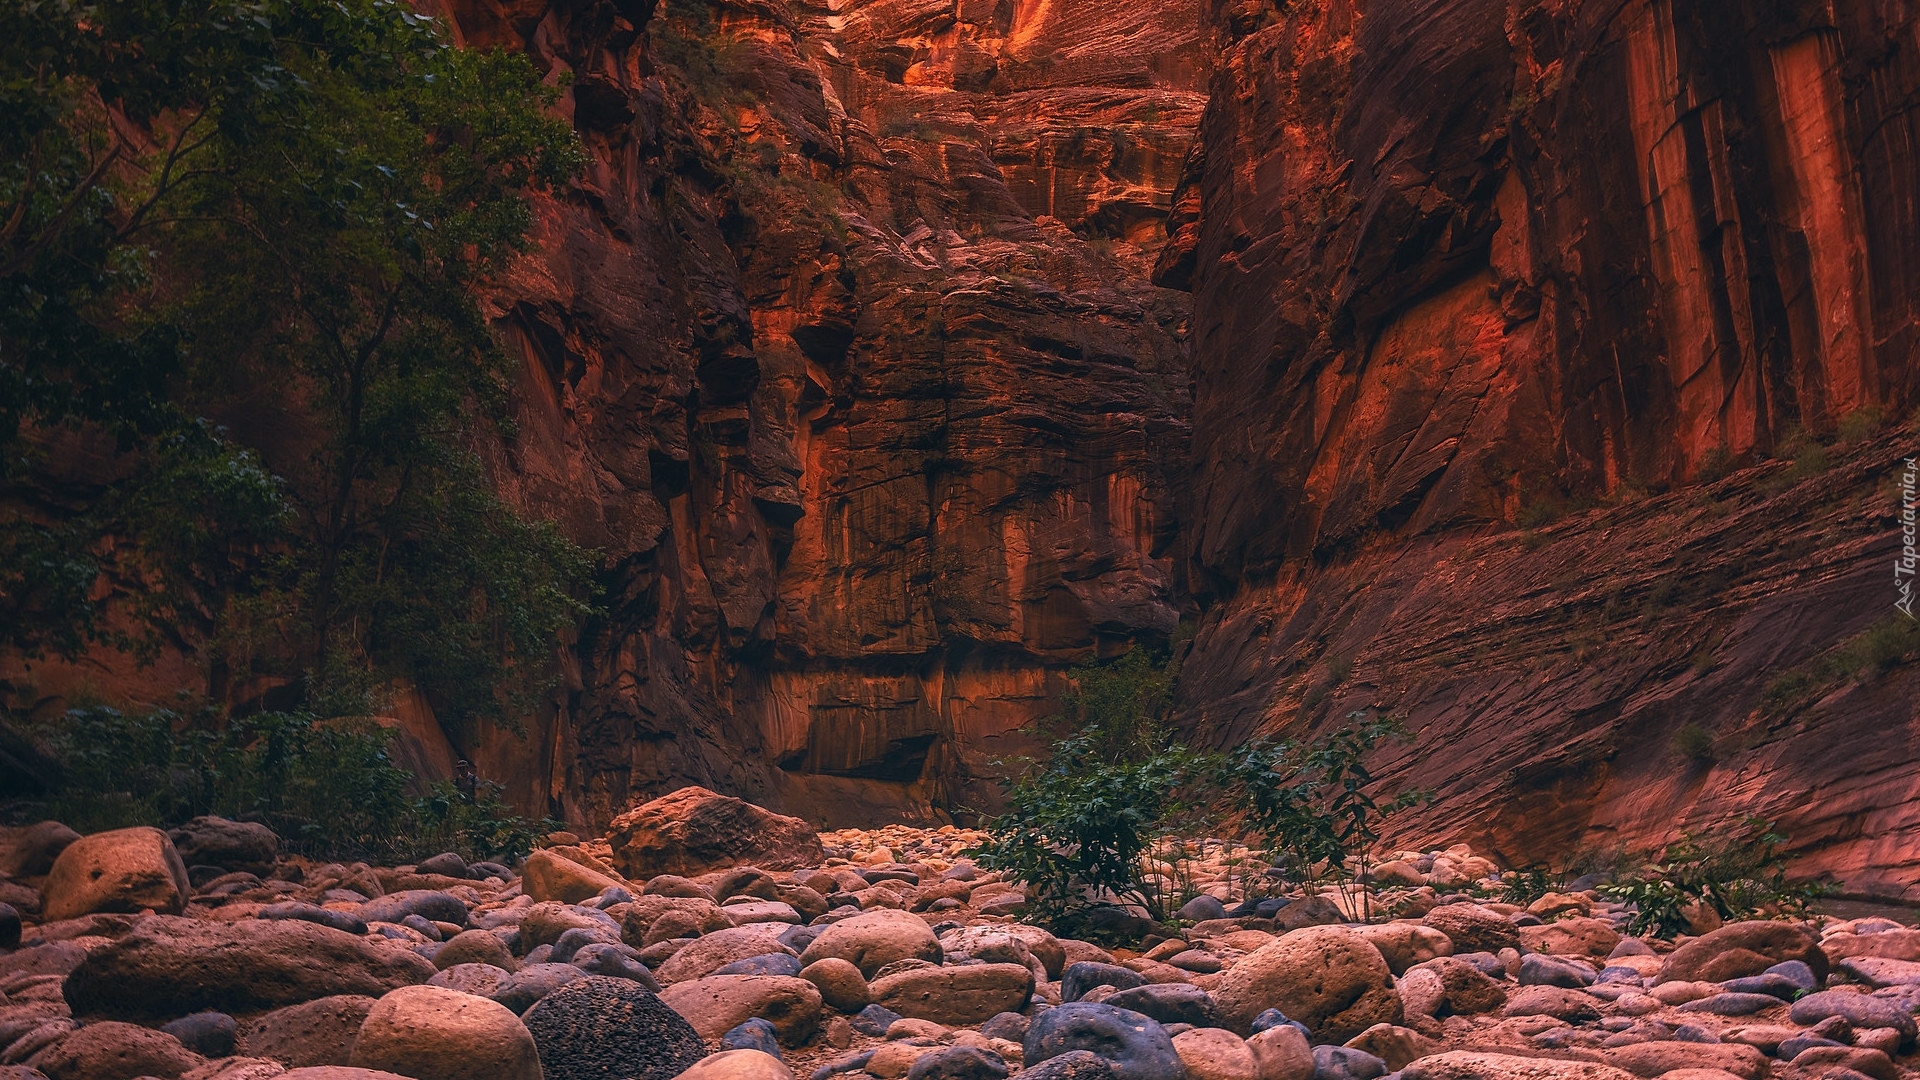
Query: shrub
x,y
1309,801
329,788
1737,870
1693,742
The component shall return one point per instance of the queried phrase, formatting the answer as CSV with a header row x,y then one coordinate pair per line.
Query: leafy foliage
x,y
280,209
1737,871
1310,802
330,788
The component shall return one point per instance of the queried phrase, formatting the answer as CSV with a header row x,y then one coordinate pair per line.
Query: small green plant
x,y
1861,423
1871,653
1737,870
1309,801
1528,884
330,788
1694,742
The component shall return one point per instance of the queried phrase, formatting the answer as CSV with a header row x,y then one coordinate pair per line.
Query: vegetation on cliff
x,y
274,214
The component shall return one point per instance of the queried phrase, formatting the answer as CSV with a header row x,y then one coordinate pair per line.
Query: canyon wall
x,y
845,357
1459,265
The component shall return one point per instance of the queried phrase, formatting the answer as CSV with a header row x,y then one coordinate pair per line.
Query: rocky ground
x,y
707,938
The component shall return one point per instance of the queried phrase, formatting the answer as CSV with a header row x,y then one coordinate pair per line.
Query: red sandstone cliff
x,y
1461,263
846,356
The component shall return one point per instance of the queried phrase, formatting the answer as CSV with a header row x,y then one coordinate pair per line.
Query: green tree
x,y
282,207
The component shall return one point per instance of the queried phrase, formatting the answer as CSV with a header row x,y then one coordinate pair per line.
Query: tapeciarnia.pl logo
x,y
1903,567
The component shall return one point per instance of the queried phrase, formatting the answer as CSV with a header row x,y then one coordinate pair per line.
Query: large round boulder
x,y
29,850
1211,1053
710,952
1469,1065
873,939
168,967
694,830
121,870
1473,928
115,1051
230,845
431,1033
319,1032
600,1027
739,1065
1135,1047
955,996
1743,948
717,1004
1327,977
547,876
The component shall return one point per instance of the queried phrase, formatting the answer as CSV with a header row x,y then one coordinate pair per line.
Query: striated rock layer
x,y
1458,264
845,356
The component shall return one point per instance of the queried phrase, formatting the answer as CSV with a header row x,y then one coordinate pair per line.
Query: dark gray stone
x,y
1201,908
1273,1018
293,909
579,937
481,871
1537,969
1791,1048
597,1028
1344,1063
1170,1003
1732,1004
422,925
522,989
616,960
9,926
1795,972
426,903
447,863
959,1063
209,1034
1857,1009
1694,1033
1134,1045
755,1034
1085,975
1119,923
768,964
1778,986
1010,1026
843,1063
798,938
1072,1065
874,1020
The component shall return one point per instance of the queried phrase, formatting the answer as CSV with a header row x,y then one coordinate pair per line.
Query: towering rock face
x,y
1461,264
846,358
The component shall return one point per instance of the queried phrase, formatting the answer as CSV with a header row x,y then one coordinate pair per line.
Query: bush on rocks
x,y
431,1033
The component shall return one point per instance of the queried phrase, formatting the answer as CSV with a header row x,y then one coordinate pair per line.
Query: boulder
x,y
1473,928
839,983
520,990
543,923
474,947
1084,975
433,905
739,1065
874,939
547,876
1346,1063
312,1033
431,1033
1396,1046
1282,1053
956,996
1839,1061
1901,944
1211,1053
1170,1003
1650,1059
1743,948
1135,1047
1538,969
1572,937
716,1004
115,1051
1572,1006
1469,1065
1327,977
209,1034
481,980
1859,1010
1072,1065
1465,990
168,967
344,921
693,830
600,1027
959,1063
338,1072
230,845
707,954
754,1034
29,850
1405,944
650,918
121,870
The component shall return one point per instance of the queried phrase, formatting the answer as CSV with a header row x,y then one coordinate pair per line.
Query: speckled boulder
x,y
599,1027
